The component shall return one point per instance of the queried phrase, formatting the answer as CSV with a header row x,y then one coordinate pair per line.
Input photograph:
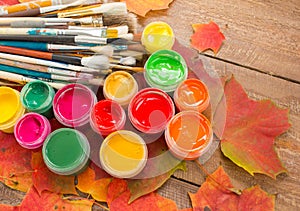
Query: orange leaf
x,y
214,195
141,7
250,129
207,36
52,201
44,179
15,169
115,189
88,184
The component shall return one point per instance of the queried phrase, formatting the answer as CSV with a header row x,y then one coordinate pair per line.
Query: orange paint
x,y
188,135
191,94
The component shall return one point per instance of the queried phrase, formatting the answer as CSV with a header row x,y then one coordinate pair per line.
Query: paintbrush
x,y
34,8
36,74
20,79
60,39
45,69
51,63
42,46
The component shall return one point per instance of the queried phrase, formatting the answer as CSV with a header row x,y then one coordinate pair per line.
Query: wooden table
x,y
262,50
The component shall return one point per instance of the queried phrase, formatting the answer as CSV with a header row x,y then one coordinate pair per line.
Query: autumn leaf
x,y
141,7
33,201
7,207
44,179
250,130
9,2
207,36
145,185
15,169
215,194
96,188
99,172
115,189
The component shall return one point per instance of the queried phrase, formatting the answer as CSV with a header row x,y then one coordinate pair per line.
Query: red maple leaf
x,y
9,2
215,194
250,131
207,36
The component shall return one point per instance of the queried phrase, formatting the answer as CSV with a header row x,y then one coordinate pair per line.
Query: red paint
x,y
107,116
150,110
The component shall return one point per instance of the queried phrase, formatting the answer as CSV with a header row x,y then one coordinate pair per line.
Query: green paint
x,y
165,69
66,151
37,96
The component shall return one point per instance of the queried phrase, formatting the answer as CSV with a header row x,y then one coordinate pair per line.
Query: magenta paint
x,y
31,130
72,104
107,116
150,110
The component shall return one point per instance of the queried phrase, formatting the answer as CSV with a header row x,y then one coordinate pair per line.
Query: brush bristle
x,y
129,19
97,61
104,50
131,61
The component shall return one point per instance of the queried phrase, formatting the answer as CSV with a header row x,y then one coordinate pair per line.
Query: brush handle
x,y
39,46
40,38
42,55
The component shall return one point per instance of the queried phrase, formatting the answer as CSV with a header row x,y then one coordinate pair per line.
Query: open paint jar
x,y
150,110
31,130
66,151
107,116
165,69
188,135
72,105
37,96
120,86
123,154
11,108
156,36
191,94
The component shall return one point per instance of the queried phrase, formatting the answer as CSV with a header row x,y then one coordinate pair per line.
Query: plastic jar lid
x,y
37,96
150,110
165,69
72,104
157,36
31,130
123,154
188,135
120,86
66,151
107,116
191,94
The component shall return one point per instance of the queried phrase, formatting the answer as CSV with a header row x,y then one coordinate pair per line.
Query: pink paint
x,y
31,130
72,104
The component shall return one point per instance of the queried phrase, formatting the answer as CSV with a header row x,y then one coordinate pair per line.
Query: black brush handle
x,y
67,59
40,38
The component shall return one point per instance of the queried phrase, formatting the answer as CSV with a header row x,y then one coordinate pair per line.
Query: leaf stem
x,y
233,190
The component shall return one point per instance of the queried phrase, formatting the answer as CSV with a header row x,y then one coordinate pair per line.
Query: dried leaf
x,y
141,7
207,36
250,130
214,195
44,179
148,184
33,201
8,207
15,168
96,188
115,189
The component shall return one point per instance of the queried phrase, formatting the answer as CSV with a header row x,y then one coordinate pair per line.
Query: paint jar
x,y
31,130
157,36
120,86
37,96
165,69
188,135
123,154
66,151
11,108
72,104
191,94
150,110
107,116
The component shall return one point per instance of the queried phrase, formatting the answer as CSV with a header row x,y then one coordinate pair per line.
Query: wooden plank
x,y
286,95
259,34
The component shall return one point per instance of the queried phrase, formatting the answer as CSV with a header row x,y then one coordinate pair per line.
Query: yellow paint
x,y
123,152
120,86
157,36
9,103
